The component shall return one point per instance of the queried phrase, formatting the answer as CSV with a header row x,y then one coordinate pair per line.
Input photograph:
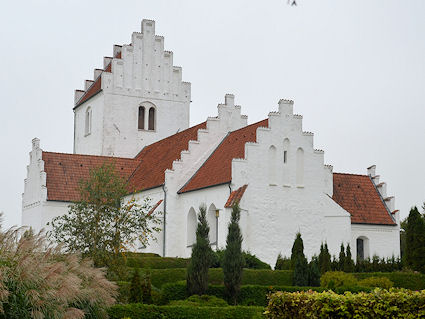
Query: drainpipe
x,y
165,218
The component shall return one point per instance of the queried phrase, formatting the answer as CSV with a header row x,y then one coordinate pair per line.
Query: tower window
x,y
285,156
151,119
141,122
87,129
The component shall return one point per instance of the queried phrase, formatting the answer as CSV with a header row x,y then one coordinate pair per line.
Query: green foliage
x,y
300,271
157,262
415,241
324,259
38,281
233,260
297,249
376,304
376,282
201,301
183,312
341,259
282,263
100,225
147,288
251,261
378,265
348,262
335,279
136,287
202,256
313,272
408,280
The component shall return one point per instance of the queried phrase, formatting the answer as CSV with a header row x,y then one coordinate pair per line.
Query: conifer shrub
x,y
335,279
136,287
282,263
341,259
415,241
146,288
348,262
313,272
299,262
324,259
233,260
197,271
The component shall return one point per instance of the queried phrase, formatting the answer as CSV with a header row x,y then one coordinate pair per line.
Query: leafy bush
x,y
39,281
408,280
335,279
135,311
157,262
201,301
376,282
376,304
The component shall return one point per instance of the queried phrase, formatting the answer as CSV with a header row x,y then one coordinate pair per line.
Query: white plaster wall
x,y
384,241
92,143
278,209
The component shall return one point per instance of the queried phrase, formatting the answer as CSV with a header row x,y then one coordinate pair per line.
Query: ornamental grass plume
x,y
38,281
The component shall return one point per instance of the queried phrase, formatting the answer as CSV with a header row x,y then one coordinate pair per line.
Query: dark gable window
x,y
141,122
151,119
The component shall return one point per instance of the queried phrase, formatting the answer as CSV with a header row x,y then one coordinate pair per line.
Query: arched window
x,y
285,170
141,121
87,129
191,227
212,222
151,119
272,165
362,248
300,167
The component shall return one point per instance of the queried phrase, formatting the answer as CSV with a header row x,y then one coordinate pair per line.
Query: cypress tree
x,y
279,262
233,260
300,271
324,259
313,272
136,290
349,263
202,257
341,260
297,249
415,241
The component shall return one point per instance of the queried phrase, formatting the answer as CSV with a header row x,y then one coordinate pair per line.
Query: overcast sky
x,y
355,69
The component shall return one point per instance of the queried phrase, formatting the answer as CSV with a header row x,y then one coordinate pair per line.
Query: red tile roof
x,y
64,171
217,168
156,158
358,196
235,196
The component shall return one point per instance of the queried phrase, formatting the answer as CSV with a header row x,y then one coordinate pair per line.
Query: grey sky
x,y
355,69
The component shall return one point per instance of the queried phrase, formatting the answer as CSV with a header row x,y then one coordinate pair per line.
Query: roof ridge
x,y
90,155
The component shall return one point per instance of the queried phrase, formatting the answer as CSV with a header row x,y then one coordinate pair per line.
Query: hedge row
x,y
250,295
136,311
376,304
408,280
156,263
159,277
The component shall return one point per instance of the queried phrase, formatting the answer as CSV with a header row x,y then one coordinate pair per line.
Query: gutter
x,y
165,219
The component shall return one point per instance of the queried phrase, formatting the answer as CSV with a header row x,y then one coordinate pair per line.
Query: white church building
x,y
135,113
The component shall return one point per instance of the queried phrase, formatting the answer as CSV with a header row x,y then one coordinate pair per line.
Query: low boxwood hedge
x,y
156,263
400,279
379,303
139,311
250,295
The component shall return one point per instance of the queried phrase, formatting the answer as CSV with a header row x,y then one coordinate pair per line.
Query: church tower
x,y
137,99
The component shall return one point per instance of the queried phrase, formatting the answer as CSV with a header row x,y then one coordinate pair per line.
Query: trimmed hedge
x,y
400,303
408,280
157,263
159,277
139,311
250,295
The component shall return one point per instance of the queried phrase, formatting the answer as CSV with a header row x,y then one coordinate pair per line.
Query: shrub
x,y
335,279
300,271
376,304
136,287
282,263
182,312
313,272
324,259
201,301
408,280
251,261
376,282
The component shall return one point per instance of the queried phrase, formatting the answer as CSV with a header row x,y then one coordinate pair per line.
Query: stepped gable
x,y
64,171
217,169
154,159
358,196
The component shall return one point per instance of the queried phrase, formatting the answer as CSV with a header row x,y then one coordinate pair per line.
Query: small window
x,y
141,122
151,119
285,156
87,129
